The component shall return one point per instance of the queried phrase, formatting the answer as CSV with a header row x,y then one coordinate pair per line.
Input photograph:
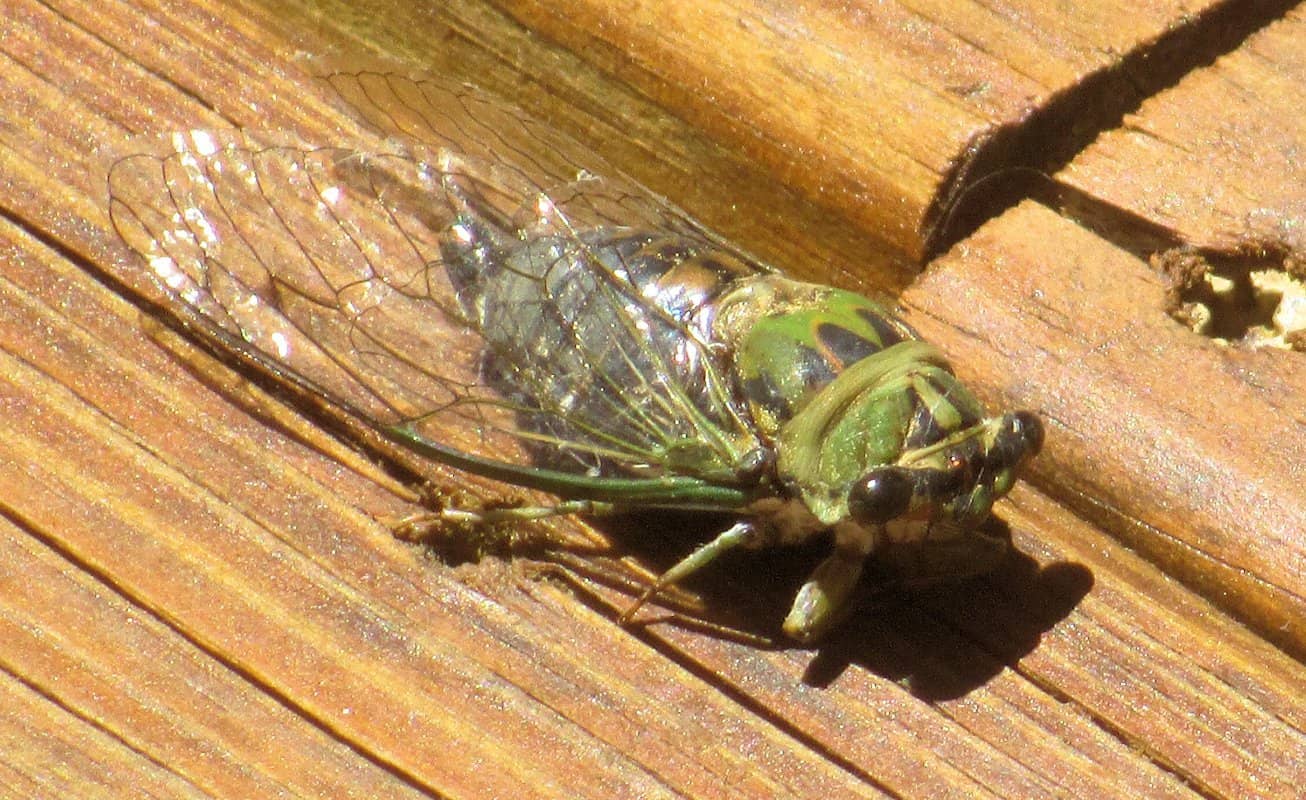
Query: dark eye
x,y
1021,437
881,495
1029,429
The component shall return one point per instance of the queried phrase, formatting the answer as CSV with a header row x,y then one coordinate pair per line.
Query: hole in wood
x,y
1248,303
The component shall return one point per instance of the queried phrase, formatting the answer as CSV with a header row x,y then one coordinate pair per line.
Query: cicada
x,y
472,290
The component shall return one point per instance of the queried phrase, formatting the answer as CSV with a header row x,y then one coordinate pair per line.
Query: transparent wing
x,y
437,114
469,303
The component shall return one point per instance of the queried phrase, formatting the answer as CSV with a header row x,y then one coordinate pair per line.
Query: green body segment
x,y
838,384
860,421
786,358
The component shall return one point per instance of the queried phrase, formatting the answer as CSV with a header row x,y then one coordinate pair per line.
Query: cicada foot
x,y
741,534
447,514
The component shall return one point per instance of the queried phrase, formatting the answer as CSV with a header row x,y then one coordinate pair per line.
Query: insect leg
x,y
823,601
738,535
491,516
419,525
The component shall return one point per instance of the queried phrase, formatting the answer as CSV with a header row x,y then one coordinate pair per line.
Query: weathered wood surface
x,y
930,94
195,601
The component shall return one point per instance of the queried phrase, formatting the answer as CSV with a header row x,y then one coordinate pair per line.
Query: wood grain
x,y
1191,451
200,600
475,41
1225,172
927,92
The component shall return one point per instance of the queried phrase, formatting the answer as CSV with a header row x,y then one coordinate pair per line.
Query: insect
x,y
471,291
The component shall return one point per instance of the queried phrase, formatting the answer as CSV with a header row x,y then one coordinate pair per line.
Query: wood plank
x,y
112,677
475,41
1223,145
1018,85
50,753
929,93
1222,148
1036,277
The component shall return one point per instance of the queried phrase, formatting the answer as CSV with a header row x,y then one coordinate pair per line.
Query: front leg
x,y
741,534
823,601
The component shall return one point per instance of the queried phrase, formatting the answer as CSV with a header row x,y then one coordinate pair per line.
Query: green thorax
x,y
792,339
838,385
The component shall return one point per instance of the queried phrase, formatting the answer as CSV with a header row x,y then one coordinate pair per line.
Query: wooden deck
x,y
199,596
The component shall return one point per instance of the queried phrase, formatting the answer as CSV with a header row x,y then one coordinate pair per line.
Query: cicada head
x,y
932,504
951,483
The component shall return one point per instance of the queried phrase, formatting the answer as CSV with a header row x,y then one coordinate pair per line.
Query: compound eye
x,y
1021,437
881,495
1028,429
